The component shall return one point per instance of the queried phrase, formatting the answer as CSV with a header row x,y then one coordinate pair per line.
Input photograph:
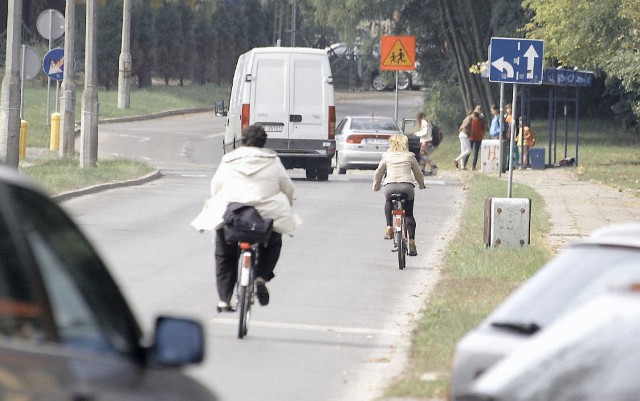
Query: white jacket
x,y
424,133
256,177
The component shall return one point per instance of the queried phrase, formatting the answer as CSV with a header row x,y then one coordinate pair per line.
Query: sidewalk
x,y
578,207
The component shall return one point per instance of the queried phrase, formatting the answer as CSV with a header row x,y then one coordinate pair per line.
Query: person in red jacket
x,y
478,129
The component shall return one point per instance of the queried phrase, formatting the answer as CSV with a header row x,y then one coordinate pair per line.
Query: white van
x,y
289,91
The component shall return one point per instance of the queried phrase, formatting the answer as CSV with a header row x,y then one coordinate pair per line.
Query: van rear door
x,y
308,96
270,93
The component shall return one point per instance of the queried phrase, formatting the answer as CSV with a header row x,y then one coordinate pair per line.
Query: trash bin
x,y
536,158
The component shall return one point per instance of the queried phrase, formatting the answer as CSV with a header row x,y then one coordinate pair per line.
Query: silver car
x,y
580,272
589,354
66,331
361,140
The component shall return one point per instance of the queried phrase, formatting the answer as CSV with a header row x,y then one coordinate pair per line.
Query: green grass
x,y
59,175
142,101
606,153
473,281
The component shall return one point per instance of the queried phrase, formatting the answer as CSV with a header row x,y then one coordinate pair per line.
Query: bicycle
x,y
245,286
400,235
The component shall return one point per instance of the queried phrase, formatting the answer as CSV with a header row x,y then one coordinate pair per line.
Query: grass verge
x,y
61,175
474,279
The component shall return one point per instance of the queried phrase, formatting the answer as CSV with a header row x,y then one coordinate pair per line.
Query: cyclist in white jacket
x,y
254,176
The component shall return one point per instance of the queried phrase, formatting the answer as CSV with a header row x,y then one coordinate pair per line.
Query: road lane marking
x,y
310,327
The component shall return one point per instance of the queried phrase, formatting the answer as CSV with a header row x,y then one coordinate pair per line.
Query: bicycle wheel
x,y
402,246
245,292
243,308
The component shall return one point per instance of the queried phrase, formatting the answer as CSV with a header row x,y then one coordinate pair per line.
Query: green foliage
x,y
109,40
594,35
142,42
167,27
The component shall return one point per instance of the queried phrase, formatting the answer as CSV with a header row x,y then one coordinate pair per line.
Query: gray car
x,y
361,141
66,331
589,354
582,271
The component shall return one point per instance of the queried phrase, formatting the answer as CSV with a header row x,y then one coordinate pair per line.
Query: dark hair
x,y
254,135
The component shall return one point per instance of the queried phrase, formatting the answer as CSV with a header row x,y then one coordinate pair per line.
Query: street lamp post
x,y
124,74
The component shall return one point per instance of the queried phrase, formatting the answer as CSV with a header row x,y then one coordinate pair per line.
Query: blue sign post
x,y
53,64
517,61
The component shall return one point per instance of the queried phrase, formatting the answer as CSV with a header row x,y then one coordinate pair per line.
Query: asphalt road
x,y
341,312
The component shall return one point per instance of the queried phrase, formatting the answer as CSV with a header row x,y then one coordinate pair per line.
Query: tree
x,y
603,36
109,36
184,52
167,28
142,42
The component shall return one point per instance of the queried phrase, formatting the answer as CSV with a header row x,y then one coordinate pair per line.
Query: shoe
x,y
455,163
433,167
388,234
262,292
224,307
412,248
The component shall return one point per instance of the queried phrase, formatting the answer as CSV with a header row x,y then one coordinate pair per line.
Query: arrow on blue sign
x,y
516,60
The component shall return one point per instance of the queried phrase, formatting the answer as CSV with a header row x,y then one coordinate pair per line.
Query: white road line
x,y
309,327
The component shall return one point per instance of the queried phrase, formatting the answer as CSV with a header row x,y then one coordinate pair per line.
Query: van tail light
x,y
244,117
332,122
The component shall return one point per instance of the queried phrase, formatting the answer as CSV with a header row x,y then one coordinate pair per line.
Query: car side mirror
x,y
177,342
219,108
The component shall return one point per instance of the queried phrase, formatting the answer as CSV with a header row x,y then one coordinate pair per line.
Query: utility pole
x,y
10,105
68,96
124,74
90,106
293,23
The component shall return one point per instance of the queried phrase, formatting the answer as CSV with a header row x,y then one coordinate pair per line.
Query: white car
x,y
582,271
361,140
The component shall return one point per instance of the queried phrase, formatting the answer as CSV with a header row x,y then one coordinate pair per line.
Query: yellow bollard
x,y
24,128
55,132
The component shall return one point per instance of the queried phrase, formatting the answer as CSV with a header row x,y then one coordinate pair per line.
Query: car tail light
x,y
244,117
332,122
354,138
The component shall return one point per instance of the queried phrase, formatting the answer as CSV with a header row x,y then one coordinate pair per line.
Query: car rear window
x,y
374,124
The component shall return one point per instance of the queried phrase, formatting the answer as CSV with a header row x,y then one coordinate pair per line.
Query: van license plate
x,y
272,128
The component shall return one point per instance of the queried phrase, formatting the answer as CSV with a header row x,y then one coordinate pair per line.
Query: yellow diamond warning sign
x,y
398,53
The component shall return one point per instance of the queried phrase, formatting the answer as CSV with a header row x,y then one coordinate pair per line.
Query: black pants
x,y
475,149
405,188
227,262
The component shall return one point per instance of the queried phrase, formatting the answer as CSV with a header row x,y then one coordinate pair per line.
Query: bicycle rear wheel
x,y
402,246
245,292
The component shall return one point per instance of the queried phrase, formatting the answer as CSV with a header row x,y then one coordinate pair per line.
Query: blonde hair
x,y
398,142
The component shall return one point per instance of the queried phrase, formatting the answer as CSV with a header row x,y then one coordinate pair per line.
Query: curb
x,y
111,185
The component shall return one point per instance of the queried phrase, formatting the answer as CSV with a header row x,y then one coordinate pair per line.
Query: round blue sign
x,y
53,64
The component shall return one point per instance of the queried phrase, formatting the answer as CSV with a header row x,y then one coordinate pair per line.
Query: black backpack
x,y
244,223
436,136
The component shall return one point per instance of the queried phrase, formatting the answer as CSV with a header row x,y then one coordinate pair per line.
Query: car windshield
x,y
577,274
380,124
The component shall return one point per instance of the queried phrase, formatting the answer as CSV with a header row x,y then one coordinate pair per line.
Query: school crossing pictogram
x,y
398,53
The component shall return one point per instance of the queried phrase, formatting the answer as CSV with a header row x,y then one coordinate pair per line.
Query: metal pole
x,y
68,98
124,72
48,78
90,109
24,49
512,131
293,23
501,122
396,108
10,105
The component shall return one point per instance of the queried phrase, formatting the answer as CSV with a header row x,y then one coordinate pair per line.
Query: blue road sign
x,y
564,77
517,61
53,64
